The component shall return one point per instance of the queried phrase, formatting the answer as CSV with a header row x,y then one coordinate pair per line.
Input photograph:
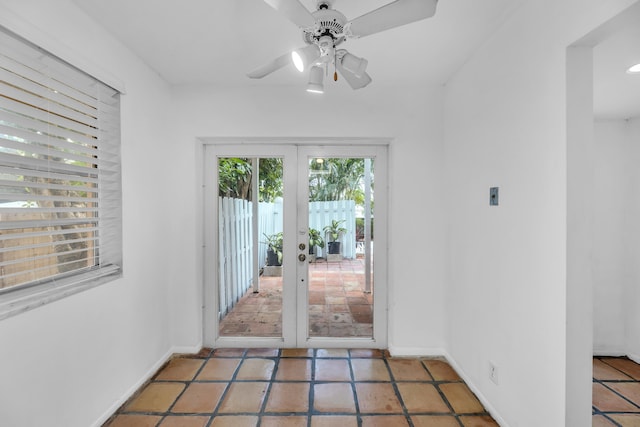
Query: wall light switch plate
x,y
493,196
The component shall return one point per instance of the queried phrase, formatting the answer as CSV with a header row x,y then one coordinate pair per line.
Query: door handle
x,y
302,257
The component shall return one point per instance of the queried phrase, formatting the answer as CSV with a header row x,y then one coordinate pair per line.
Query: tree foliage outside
x,y
270,179
329,179
235,175
337,179
234,178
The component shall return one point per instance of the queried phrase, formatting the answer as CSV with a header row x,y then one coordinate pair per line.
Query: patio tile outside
x,y
338,305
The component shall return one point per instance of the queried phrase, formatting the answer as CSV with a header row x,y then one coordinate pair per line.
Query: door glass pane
x,y
250,231
341,247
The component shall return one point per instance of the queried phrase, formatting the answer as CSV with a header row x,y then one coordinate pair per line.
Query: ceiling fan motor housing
x,y
329,22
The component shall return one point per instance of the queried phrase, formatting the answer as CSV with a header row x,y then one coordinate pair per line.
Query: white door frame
x,y
294,335
379,339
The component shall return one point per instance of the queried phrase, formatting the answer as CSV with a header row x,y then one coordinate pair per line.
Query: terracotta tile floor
x,y
616,392
338,305
303,388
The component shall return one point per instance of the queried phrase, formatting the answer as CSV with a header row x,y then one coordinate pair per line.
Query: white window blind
x,y
60,182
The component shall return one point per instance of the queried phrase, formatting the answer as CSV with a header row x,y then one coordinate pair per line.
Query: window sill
x,y
19,301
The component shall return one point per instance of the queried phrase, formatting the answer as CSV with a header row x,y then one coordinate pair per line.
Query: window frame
x,y
26,296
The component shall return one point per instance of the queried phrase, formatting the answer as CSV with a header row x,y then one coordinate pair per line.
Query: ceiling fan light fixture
x,y
356,65
305,56
634,69
316,75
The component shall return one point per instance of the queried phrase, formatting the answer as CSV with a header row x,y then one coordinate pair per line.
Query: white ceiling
x,y
616,93
218,41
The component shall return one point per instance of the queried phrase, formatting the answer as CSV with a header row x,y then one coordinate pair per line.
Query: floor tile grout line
x,y
396,390
224,394
267,394
442,395
356,401
622,396
312,386
187,384
604,360
617,424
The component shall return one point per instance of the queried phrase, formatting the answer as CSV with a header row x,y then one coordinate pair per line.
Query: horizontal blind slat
x,y
30,118
8,132
30,186
45,105
12,60
46,210
58,102
46,268
45,165
35,223
44,233
32,173
53,244
28,149
69,77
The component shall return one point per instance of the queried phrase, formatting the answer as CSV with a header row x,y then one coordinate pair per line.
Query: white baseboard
x,y
608,353
439,352
415,351
634,357
146,377
187,349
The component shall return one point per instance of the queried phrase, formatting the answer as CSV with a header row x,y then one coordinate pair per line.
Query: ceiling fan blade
x,y
270,67
394,14
294,11
354,81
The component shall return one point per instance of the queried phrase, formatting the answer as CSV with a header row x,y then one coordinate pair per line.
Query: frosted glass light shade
x,y
306,56
316,76
356,65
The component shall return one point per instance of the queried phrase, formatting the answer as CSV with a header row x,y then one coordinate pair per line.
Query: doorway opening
x,y
290,258
586,250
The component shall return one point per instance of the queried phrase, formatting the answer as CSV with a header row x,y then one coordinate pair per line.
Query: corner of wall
x,y
485,402
143,380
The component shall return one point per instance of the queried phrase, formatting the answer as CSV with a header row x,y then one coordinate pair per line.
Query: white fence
x,y
270,222
235,233
235,239
322,213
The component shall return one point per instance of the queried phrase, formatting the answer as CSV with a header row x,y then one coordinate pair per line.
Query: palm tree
x,y
336,179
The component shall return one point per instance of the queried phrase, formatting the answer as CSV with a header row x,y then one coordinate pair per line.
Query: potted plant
x,y
274,248
334,230
315,240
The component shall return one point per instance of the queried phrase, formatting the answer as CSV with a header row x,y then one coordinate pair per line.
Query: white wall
x,y
68,363
412,116
505,126
616,235
615,251
631,294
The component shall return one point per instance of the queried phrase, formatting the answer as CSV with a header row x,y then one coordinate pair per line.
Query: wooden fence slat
x,y
235,244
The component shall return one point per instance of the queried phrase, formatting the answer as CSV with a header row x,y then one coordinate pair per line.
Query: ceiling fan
x,y
325,29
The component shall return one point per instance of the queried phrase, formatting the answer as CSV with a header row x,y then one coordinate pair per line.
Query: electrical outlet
x,y
493,373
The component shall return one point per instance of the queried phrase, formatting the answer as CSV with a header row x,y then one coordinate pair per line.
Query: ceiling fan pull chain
x,y
335,70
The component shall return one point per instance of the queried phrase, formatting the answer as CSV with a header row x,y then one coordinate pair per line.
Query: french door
x,y
289,245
